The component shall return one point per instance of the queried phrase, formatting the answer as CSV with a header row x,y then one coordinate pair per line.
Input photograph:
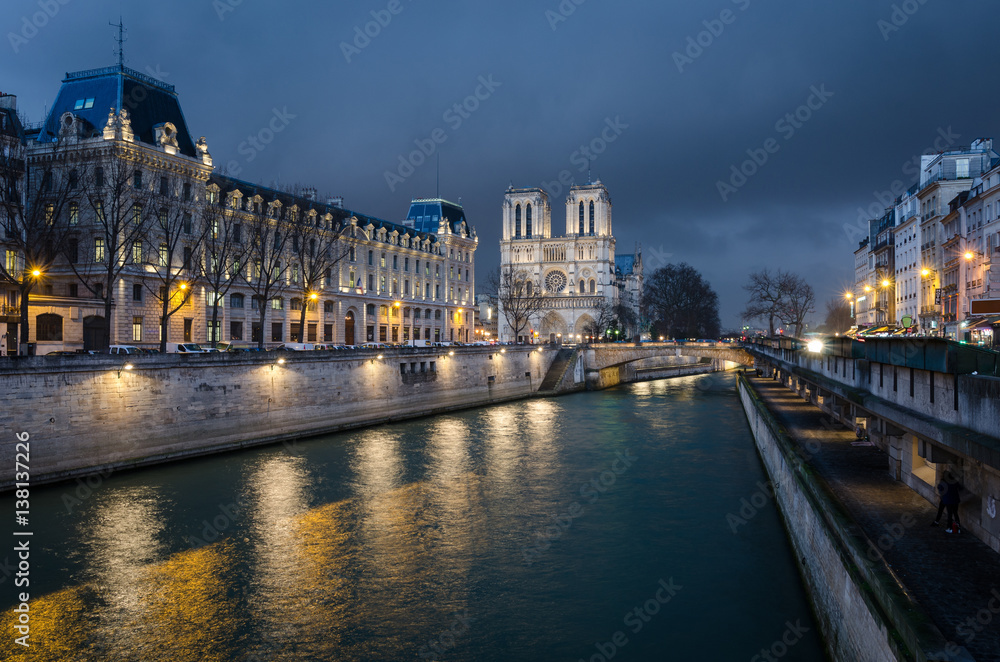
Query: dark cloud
x,y
894,92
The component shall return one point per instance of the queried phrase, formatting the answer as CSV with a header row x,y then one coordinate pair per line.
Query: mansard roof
x,y
426,213
228,184
91,94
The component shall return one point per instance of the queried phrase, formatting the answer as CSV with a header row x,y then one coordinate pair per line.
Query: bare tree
x,y
765,300
838,316
798,301
224,255
34,204
315,250
172,262
265,272
518,298
118,224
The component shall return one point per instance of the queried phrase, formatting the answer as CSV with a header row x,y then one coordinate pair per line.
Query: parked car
x,y
62,352
231,346
184,348
295,347
124,349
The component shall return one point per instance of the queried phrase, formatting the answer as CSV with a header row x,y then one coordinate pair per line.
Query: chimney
x,y
8,101
309,194
336,201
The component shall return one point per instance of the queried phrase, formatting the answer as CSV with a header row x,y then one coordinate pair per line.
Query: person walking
x,y
950,490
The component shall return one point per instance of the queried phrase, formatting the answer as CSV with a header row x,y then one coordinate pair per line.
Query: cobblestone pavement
x,y
954,577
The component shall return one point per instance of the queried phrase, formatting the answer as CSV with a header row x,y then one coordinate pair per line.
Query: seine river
x,y
591,527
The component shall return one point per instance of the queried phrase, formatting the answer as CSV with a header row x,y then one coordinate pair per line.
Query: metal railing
x,y
90,73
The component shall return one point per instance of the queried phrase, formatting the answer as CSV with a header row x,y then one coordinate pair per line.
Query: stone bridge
x,y
601,356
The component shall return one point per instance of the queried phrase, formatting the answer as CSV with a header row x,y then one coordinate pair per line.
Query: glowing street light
x,y
868,288
313,296
969,255
925,272
815,346
36,273
885,283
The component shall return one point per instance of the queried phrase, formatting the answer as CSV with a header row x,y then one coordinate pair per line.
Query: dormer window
x,y
83,104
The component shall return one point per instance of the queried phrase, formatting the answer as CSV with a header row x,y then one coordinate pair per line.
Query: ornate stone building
x,y
576,269
117,144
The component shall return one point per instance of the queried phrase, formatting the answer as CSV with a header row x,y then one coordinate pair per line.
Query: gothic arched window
x,y
591,217
517,221
527,221
593,286
581,217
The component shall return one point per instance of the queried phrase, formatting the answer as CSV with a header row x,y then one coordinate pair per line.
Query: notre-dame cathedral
x,y
576,269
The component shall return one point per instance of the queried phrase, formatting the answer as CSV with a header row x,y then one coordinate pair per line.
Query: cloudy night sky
x,y
894,81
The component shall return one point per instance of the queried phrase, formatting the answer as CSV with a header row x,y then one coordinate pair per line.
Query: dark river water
x,y
592,527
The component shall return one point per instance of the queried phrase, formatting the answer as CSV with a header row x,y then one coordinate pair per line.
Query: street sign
x,y
907,322
937,297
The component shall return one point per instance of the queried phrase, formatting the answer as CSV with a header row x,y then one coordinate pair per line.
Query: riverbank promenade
x,y
953,578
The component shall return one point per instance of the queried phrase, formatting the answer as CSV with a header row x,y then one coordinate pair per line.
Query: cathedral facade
x,y
575,267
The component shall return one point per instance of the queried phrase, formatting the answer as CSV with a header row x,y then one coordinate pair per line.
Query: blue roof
x,y
92,94
425,215
625,264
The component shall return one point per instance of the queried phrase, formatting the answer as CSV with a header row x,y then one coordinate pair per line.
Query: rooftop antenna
x,y
121,41
590,180
437,193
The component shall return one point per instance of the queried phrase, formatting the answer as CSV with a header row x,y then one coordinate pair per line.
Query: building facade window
x,y
48,327
137,329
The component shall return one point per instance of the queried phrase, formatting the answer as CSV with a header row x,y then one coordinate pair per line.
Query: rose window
x,y
555,282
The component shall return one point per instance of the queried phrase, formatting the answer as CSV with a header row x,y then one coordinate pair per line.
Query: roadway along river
x,y
592,526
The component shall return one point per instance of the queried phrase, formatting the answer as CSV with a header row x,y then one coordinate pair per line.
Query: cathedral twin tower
x,y
577,271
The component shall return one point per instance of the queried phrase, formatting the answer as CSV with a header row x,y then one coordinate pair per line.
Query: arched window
x,y
416,313
593,286
591,217
48,326
517,222
529,288
527,222
581,290
581,217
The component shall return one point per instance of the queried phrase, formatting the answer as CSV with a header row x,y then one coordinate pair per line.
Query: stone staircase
x,y
557,370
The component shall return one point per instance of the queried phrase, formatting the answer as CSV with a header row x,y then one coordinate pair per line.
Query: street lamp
x,y
969,255
925,272
124,366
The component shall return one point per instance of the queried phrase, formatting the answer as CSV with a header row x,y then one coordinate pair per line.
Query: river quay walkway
x,y
954,578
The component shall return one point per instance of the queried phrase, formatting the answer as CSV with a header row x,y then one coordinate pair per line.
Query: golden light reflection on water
x,y
178,612
364,576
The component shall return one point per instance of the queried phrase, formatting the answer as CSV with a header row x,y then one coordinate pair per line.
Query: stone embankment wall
x,y
862,611
89,414
646,370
